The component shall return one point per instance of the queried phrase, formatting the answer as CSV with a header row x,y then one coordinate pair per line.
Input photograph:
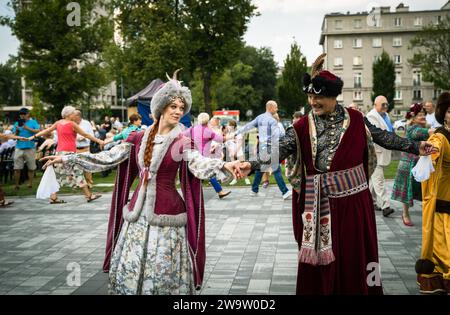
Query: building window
x,y
437,20
338,43
436,93
398,95
357,96
397,42
397,21
357,61
417,94
398,77
357,42
338,62
417,77
357,23
397,59
338,24
357,79
376,58
377,42
418,21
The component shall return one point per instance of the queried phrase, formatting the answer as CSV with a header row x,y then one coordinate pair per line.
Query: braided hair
x,y
150,143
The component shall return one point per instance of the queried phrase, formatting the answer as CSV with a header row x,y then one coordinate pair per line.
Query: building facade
x,y
354,41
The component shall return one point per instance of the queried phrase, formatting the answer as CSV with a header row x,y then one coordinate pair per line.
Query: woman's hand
x,y
53,159
427,148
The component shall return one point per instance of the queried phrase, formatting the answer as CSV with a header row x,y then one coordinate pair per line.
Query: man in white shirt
x,y
431,119
84,144
379,117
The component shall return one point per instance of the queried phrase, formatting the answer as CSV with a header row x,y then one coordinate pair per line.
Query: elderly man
x,y
333,217
431,119
269,134
379,117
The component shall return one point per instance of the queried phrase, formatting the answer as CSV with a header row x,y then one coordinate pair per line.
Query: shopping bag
x,y
48,184
424,167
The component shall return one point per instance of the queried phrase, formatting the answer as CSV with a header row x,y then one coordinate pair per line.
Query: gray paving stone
x,y
250,246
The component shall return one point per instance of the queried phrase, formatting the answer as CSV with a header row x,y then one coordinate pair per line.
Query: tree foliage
x,y
432,46
62,61
383,76
10,84
215,29
290,93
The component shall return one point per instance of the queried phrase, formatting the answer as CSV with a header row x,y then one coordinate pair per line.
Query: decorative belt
x,y
316,248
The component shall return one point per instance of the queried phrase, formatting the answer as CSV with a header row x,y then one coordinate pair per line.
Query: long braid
x,y
150,144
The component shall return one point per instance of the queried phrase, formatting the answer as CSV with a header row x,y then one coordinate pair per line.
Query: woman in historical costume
x,y
70,176
433,268
161,245
333,215
404,184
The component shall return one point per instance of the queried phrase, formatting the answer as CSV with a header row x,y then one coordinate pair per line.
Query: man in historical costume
x,y
333,215
433,267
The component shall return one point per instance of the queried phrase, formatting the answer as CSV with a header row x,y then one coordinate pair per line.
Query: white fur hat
x,y
167,93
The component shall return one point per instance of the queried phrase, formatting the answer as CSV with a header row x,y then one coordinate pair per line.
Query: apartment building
x,y
354,41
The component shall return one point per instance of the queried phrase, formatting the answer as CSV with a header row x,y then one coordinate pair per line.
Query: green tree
x,y
264,77
290,91
10,83
62,59
234,90
38,111
154,42
432,53
383,76
215,29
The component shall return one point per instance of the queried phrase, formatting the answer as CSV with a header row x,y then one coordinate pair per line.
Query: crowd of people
x,y
335,160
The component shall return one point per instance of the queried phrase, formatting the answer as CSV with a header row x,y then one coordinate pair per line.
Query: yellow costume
x,y
436,220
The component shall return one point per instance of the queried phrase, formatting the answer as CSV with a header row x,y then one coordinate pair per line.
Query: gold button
x,y
331,118
329,158
333,126
332,133
328,168
332,141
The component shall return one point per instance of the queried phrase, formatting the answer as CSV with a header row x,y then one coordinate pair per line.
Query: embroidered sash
x,y
316,248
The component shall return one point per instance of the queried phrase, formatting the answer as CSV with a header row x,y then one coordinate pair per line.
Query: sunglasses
x,y
385,105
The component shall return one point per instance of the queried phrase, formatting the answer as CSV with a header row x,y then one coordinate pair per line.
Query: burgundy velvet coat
x,y
353,230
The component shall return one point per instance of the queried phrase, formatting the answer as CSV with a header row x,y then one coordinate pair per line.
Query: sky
x,y
279,24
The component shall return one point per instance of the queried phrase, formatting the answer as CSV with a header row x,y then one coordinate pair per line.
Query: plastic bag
x,y
423,169
48,184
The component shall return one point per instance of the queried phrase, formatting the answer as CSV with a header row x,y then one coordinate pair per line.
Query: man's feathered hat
x,y
168,93
322,82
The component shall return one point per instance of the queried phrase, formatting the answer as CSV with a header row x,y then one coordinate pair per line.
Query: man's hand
x,y
427,148
51,160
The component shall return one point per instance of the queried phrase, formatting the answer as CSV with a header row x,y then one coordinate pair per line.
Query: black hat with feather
x,y
322,82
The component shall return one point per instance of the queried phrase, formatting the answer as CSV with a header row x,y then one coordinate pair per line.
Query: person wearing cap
x,y
156,242
333,215
433,267
379,117
25,152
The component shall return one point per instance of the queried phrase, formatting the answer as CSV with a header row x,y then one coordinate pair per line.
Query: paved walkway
x,y
250,246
